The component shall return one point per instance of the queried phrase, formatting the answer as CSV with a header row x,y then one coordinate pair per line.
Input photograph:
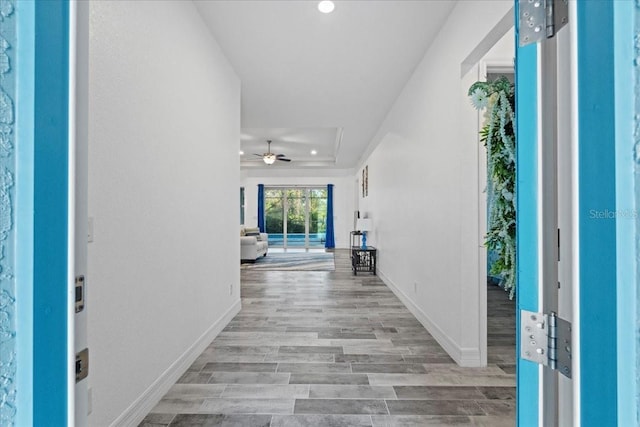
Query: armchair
x,y
253,244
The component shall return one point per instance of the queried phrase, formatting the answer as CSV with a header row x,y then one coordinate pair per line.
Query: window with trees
x,y
295,216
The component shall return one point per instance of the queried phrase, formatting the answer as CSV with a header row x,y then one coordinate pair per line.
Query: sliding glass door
x,y
317,216
273,216
295,217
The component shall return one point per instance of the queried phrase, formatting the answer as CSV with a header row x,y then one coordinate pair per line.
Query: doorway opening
x,y
490,61
501,310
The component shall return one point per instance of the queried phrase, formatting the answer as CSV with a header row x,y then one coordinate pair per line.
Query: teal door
x,y
600,293
37,211
527,383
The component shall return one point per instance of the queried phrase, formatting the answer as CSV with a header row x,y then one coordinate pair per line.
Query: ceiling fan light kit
x,y
270,158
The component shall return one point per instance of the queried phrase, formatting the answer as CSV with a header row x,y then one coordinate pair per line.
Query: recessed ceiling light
x,y
241,152
314,152
326,6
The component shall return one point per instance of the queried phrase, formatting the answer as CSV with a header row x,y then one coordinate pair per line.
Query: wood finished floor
x,y
333,349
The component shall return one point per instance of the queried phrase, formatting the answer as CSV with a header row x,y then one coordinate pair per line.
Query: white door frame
x,y
79,110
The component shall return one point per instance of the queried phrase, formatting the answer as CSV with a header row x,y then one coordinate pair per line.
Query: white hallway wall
x,y
164,106
423,187
344,198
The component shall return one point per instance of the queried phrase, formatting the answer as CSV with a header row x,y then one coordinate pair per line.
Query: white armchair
x,y
253,245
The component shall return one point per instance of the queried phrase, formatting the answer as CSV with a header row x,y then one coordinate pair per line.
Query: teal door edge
x,y
596,199
527,221
51,367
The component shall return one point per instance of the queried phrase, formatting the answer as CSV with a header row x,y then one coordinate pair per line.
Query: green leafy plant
x,y
497,98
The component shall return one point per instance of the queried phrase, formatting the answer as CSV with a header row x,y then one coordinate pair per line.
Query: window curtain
x,y
330,242
261,208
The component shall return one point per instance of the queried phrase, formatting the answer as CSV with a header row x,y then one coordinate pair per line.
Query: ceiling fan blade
x,y
282,159
259,155
281,155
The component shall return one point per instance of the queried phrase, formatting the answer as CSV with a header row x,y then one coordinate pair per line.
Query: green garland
x,y
498,136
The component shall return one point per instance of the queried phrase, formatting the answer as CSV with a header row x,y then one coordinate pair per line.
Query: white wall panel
x,y
164,131
423,186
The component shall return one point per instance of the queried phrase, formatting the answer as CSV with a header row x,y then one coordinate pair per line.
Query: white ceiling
x,y
320,81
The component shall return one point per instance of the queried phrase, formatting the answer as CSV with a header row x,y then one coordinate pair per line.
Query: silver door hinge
x,y
540,19
546,340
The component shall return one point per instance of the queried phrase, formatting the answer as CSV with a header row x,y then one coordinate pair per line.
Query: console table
x,y
363,259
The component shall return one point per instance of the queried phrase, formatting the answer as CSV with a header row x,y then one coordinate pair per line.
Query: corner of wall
x,y
463,356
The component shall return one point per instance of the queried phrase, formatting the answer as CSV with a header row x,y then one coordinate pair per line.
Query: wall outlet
x,y
415,287
231,289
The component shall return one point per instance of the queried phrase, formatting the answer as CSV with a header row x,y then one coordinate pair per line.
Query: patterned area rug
x,y
293,261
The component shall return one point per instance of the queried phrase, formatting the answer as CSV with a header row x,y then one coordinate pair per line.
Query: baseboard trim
x,y
468,357
134,414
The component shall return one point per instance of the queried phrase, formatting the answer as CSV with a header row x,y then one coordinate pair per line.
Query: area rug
x,y
293,261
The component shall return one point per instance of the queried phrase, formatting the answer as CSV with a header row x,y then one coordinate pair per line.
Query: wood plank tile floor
x,y
333,349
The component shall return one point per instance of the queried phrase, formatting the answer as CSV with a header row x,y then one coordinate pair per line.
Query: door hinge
x,y
540,19
546,340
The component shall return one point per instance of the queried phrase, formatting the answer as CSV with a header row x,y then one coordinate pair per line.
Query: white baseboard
x,y
468,357
134,414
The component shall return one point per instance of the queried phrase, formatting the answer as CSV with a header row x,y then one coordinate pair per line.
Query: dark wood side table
x,y
363,259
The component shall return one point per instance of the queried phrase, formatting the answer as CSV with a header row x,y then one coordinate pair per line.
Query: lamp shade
x,y
364,224
269,158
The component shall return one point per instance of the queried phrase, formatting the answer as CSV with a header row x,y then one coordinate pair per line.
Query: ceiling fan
x,y
270,158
